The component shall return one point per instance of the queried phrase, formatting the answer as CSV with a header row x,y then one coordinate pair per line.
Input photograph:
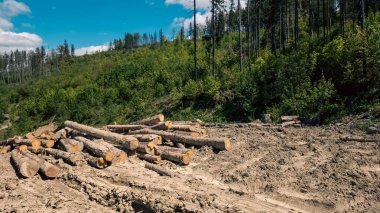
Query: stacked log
x,y
46,168
97,149
25,166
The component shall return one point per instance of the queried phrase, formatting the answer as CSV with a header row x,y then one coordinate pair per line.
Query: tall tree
x,y
342,11
240,40
72,50
296,25
195,41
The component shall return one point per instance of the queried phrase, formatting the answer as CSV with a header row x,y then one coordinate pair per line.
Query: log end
x,y
36,144
161,117
101,163
109,156
50,144
5,149
30,136
121,158
23,148
29,169
52,172
227,145
133,145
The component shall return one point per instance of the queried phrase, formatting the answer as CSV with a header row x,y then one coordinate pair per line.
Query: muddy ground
x,y
269,169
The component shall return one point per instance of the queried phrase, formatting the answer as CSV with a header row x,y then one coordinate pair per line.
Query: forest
x,y
316,58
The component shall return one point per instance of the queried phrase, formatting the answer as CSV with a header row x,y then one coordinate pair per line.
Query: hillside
x,y
321,80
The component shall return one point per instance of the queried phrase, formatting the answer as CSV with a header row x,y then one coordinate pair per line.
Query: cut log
x,y
189,128
127,141
201,123
47,143
61,134
182,156
151,158
45,129
359,139
150,121
97,162
218,143
156,139
25,166
98,149
290,118
34,143
146,148
24,148
191,134
71,145
30,136
159,169
46,168
162,125
120,155
75,159
180,145
191,123
125,128
6,149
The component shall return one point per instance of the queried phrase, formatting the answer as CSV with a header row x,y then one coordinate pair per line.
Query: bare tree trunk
x,y
195,41
240,40
213,39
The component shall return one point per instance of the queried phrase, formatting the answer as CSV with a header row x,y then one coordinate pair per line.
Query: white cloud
x,y
91,49
22,41
189,4
201,20
11,8
10,41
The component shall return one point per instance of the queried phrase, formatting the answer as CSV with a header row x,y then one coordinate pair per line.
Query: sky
x,y
89,24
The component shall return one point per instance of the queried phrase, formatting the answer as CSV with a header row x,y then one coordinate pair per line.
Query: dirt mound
x,y
269,169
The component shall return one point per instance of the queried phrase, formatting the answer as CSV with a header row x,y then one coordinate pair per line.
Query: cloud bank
x,y
91,50
9,40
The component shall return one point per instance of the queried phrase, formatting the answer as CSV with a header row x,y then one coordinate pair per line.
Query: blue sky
x,y
25,24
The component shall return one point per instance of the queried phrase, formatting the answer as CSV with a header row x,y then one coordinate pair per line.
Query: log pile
x,y
152,139
290,121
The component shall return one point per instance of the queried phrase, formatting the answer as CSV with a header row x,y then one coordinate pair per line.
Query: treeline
x,y
19,66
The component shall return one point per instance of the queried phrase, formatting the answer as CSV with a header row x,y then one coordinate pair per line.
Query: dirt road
x,y
270,169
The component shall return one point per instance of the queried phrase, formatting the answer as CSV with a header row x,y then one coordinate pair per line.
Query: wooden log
x,y
218,143
180,145
25,166
30,136
151,158
24,148
47,143
201,123
127,141
97,162
196,124
71,145
176,155
98,149
146,148
151,120
191,134
61,134
290,118
5,149
159,169
34,143
75,159
359,139
162,125
46,168
189,128
45,129
120,155
125,128
156,139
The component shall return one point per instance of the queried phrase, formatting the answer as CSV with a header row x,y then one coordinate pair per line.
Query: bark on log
x,y
98,149
151,120
151,158
48,169
218,143
97,162
159,169
127,141
180,145
71,145
75,159
146,148
125,128
191,123
191,134
359,139
156,139
290,118
47,143
182,156
25,166
30,136
120,155
24,148
61,134
6,149
45,129
34,143
162,126
189,128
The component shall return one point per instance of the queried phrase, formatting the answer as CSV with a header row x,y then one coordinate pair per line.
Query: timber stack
x,y
153,140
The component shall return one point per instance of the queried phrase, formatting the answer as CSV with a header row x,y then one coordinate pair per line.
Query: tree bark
x,y
120,155
218,143
48,169
146,148
191,134
156,139
71,145
151,158
75,159
97,162
34,143
151,120
162,126
159,169
47,143
128,142
98,149
25,166
290,118
125,128
188,128
182,156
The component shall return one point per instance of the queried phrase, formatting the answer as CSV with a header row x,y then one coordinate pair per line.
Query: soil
x,y
269,169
